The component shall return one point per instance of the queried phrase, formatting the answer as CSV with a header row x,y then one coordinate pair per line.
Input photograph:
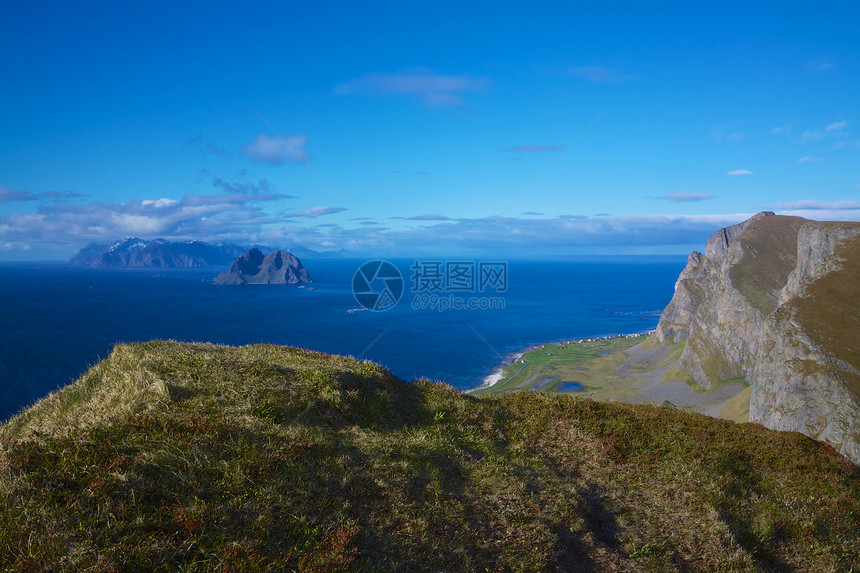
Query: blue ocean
x,y
57,320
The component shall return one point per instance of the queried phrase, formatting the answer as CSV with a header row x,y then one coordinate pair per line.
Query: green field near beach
x,y
591,363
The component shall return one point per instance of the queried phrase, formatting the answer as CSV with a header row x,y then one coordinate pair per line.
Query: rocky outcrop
x,y
719,299
797,386
819,251
807,376
776,301
278,267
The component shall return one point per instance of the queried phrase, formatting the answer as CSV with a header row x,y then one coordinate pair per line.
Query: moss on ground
x,y
195,457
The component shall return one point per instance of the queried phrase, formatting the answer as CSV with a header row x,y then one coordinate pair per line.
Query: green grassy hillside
x,y
194,457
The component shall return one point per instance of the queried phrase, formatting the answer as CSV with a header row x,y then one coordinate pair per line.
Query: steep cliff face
x,y
776,301
722,297
807,376
277,267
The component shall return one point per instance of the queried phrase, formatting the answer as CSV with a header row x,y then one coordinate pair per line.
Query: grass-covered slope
x,y
769,254
194,457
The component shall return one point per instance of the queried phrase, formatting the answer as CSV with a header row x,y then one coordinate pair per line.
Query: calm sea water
x,y
57,320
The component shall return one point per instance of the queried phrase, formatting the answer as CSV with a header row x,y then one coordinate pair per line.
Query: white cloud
x,y
781,129
16,247
808,159
433,89
532,149
816,205
159,203
275,151
510,234
834,129
843,144
198,141
686,197
739,172
845,210
74,226
429,217
236,215
718,134
8,195
315,212
261,187
600,74
824,214
514,236
194,216
238,219
821,66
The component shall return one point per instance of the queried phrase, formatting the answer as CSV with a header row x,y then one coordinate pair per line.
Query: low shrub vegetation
x,y
194,457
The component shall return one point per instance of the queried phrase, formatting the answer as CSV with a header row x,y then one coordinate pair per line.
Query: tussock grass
x,y
194,457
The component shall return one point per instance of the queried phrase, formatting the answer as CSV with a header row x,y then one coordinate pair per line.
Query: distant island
x,y
160,253
253,267
134,252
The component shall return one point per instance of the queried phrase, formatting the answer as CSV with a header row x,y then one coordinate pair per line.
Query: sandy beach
x,y
498,372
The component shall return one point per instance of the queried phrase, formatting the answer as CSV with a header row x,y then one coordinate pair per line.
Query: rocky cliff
x,y
775,301
253,267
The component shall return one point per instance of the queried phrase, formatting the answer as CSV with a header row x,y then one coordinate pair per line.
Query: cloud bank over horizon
x,y
237,213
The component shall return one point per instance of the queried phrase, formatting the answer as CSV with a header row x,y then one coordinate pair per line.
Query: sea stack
x,y
276,268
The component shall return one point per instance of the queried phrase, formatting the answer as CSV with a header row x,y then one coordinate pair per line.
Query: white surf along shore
x,y
498,373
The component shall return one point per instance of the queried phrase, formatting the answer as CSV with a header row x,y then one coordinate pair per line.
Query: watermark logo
x,y
459,276
445,285
435,285
377,285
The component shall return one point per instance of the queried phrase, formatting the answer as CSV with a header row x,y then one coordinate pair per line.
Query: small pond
x,y
570,387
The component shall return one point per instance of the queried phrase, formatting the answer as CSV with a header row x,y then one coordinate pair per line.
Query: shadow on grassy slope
x,y
170,456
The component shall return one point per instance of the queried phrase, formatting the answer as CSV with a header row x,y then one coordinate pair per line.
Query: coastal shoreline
x,y
497,373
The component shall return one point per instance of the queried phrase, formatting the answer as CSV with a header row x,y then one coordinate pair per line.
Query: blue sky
x,y
407,129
